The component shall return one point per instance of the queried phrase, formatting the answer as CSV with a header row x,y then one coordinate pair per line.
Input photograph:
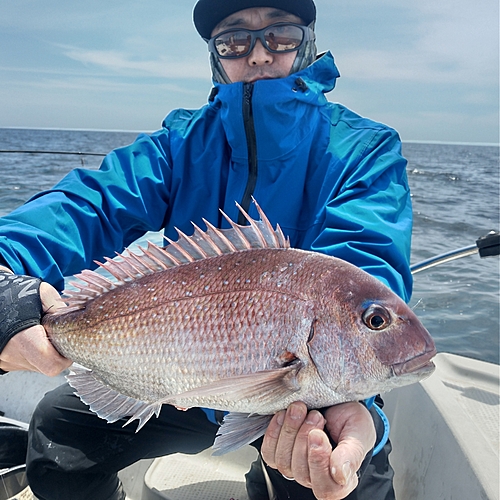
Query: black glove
x,y
20,304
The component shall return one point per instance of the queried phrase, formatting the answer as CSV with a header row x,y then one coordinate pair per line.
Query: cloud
x,y
102,86
439,42
121,62
390,66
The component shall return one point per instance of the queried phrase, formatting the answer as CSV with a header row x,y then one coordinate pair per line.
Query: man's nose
x,y
260,55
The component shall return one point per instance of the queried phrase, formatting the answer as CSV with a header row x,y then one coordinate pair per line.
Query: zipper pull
x,y
300,85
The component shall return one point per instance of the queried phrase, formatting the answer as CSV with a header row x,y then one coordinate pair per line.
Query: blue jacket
x,y
334,181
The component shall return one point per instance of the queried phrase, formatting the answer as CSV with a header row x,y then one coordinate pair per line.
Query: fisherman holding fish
x,y
335,183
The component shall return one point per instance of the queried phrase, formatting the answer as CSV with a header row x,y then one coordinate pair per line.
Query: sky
x,y
428,68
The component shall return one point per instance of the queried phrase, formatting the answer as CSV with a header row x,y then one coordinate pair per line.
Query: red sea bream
x,y
235,320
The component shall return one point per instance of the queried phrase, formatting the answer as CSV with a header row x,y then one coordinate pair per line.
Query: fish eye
x,y
376,317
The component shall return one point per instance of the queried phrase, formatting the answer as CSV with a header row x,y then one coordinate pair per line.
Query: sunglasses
x,y
277,38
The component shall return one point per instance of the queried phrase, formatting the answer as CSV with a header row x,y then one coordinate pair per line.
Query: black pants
x,y
74,454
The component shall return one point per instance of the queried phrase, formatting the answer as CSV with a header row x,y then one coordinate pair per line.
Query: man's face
x,y
260,63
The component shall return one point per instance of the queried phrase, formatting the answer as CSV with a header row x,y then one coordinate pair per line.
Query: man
x,y
335,182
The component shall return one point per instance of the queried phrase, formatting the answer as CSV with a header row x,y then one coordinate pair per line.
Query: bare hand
x,y
30,349
296,444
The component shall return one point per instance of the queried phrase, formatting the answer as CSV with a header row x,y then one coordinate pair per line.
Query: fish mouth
x,y
421,363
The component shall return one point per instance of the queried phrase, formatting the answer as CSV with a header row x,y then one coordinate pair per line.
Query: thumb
x,y
51,300
346,459
351,426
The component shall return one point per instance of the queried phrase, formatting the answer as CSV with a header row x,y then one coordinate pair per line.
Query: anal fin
x,y
107,403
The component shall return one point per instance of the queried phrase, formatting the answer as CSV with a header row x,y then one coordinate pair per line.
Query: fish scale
x,y
224,321
234,320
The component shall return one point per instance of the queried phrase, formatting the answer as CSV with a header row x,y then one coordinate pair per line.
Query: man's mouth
x,y
259,77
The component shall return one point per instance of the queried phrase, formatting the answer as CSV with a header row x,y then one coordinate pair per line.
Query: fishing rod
x,y
80,154
486,246
38,152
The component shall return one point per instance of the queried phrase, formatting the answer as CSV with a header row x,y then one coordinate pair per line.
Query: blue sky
x,y
429,68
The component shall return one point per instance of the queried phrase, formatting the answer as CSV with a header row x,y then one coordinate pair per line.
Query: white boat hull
x,y
445,432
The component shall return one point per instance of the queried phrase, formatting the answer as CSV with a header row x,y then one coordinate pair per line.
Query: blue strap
x,y
369,402
387,429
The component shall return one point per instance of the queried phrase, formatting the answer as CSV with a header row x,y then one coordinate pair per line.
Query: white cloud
x,y
394,65
121,62
102,86
445,42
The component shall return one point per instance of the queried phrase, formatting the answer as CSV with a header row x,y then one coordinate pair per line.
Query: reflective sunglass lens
x,y
233,44
282,37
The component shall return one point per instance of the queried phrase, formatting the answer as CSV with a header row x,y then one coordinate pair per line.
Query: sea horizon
x,y
121,131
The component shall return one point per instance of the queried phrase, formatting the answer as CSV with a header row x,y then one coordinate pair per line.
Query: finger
x,y
346,460
352,427
322,482
300,463
295,416
271,437
43,356
9,367
32,350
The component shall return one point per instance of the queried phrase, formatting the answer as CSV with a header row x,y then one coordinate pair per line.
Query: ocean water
x,y
455,192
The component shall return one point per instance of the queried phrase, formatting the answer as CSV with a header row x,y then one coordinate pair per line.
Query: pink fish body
x,y
235,320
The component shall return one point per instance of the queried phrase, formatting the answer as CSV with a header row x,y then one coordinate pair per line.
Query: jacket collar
x,y
323,71
281,108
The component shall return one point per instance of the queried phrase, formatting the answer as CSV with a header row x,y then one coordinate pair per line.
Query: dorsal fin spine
x,y
192,244
162,265
98,280
283,241
238,231
206,243
211,242
267,224
114,267
131,265
223,237
201,245
182,251
162,254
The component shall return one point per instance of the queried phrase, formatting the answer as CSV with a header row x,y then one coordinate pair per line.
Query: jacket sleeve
x,y
90,214
368,218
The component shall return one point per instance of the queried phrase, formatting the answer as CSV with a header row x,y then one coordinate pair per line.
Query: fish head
x,y
396,338
377,342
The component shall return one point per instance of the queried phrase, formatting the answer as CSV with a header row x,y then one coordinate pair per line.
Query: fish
x,y
234,320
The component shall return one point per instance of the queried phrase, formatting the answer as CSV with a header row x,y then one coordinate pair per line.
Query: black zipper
x,y
252,151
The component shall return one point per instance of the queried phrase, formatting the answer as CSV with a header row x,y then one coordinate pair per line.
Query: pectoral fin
x,y
263,387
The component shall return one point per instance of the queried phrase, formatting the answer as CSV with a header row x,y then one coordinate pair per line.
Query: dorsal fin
x,y
201,245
